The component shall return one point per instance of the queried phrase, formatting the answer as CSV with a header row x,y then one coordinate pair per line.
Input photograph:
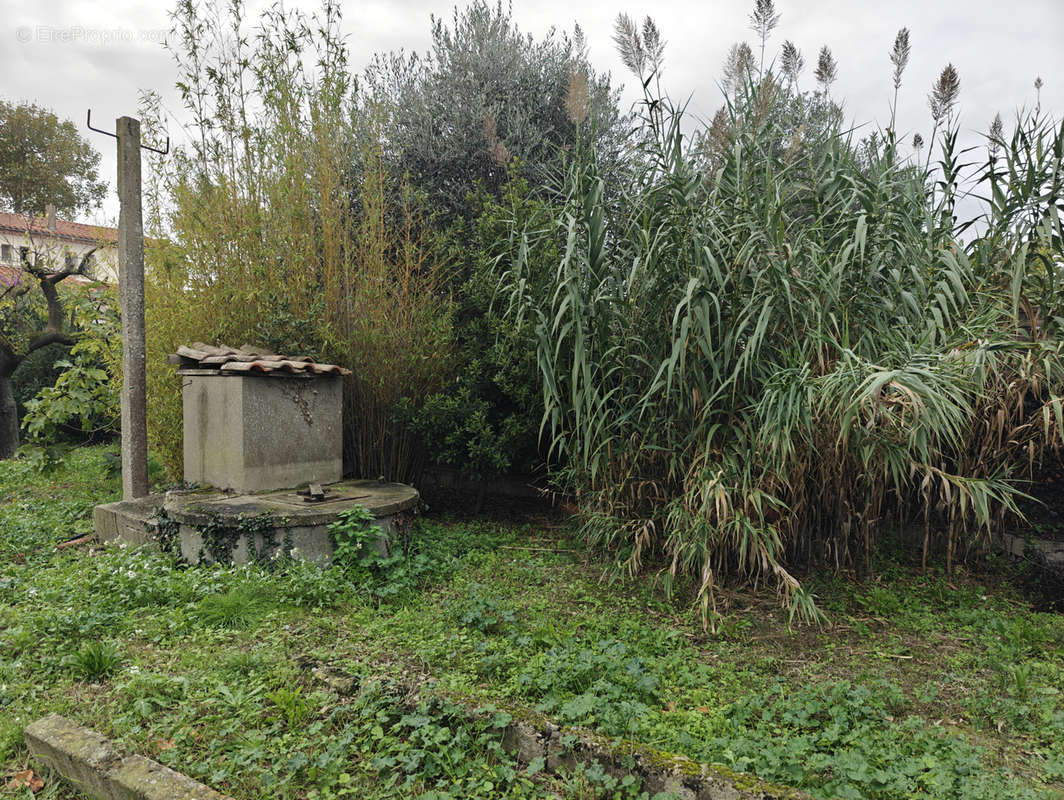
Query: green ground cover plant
x,y
921,686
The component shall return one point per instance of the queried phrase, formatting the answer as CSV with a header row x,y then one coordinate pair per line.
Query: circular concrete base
x,y
216,526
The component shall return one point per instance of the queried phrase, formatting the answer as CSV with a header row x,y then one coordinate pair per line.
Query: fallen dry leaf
x,y
26,780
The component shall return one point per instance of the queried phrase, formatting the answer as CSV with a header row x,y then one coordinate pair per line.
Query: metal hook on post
x,y
88,122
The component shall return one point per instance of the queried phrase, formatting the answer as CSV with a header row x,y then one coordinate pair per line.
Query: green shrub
x,y
36,372
373,560
488,422
84,396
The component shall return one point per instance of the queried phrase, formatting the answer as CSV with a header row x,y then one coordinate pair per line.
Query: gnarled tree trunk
x,y
54,331
8,414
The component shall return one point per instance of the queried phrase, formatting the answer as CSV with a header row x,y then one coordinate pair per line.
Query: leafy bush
x,y
85,394
374,560
36,372
488,421
457,430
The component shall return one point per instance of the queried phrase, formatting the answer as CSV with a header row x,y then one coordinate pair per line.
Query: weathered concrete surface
x,y
257,433
1052,550
90,762
83,757
130,522
301,526
293,523
131,303
380,499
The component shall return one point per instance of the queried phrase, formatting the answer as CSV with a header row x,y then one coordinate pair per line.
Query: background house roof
x,y
69,231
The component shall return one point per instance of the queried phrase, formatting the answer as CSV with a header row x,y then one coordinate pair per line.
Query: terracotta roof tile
x,y
248,359
72,231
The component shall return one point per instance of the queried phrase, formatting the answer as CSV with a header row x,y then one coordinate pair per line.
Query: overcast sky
x,y
71,55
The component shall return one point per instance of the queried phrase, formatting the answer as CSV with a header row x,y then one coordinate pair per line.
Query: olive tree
x,y
44,162
485,96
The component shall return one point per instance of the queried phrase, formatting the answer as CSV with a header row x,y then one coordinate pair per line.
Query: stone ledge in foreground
x,y
90,762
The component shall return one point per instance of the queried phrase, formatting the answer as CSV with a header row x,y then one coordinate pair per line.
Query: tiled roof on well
x,y
249,360
71,231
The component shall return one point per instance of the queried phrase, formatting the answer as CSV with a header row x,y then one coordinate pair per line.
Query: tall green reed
x,y
776,353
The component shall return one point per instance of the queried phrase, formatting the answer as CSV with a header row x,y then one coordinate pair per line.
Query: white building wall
x,y
55,250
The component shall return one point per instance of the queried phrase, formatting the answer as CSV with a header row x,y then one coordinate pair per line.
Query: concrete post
x,y
131,301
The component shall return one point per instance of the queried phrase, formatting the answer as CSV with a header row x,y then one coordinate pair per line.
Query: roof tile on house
x,y
71,231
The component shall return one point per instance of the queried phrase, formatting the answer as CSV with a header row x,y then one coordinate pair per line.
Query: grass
x,y
920,686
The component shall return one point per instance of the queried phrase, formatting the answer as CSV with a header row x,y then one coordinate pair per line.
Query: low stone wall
x,y
131,522
90,762
531,735
1050,552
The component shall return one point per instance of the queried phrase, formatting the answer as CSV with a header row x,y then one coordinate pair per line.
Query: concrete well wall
x,y
257,433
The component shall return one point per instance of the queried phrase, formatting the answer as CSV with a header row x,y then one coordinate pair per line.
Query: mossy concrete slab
x,y
130,522
288,507
91,763
269,524
284,520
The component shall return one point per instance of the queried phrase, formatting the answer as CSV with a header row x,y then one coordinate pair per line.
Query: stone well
x,y
242,527
258,428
